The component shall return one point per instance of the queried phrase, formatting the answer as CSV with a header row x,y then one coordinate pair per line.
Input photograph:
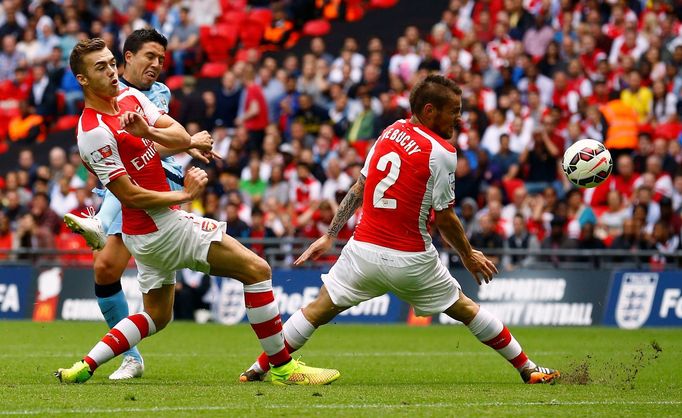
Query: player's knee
x,y
104,271
161,319
261,271
464,310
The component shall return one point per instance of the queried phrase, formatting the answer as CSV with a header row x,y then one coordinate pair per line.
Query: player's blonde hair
x,y
83,48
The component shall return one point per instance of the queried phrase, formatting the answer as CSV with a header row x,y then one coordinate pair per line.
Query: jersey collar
x,y
129,84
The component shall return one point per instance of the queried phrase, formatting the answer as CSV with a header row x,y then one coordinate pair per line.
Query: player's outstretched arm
x,y
166,131
350,203
452,231
136,197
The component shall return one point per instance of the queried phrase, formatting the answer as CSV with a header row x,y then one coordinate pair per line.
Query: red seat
x,y
234,17
66,122
232,5
382,4
251,33
175,82
213,69
68,241
217,41
264,16
318,27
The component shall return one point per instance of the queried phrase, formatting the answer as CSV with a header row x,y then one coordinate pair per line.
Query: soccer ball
x,y
587,163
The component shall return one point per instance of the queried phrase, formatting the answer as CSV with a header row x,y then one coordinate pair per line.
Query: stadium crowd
x,y
537,75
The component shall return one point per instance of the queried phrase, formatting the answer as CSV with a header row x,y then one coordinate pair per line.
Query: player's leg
x,y
493,333
351,280
110,263
297,331
131,330
230,258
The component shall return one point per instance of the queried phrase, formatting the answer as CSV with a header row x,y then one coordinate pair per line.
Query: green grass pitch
x,y
394,370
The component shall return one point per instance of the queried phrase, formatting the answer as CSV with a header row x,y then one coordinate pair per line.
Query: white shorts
x,y
182,241
364,271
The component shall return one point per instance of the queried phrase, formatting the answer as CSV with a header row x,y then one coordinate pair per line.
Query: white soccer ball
x,y
587,163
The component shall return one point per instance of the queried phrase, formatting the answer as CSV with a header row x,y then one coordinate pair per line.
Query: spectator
x,y
10,57
405,62
273,90
537,37
487,238
6,236
311,116
468,211
665,242
236,227
253,115
260,231
363,127
519,240
491,138
27,127
504,165
43,96
227,99
30,47
662,183
557,240
183,41
252,185
541,161
278,187
62,199
616,213
32,235
638,97
337,180
630,239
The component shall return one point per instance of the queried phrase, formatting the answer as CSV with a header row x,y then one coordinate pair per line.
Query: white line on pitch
x,y
334,406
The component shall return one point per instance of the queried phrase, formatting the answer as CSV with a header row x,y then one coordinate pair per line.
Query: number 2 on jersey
x,y
380,202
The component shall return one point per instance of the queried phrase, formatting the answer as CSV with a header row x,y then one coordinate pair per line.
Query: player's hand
x,y
204,156
316,249
134,124
198,155
202,141
195,182
480,267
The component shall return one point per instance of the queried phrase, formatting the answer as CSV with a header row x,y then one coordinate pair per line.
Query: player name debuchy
x,y
403,139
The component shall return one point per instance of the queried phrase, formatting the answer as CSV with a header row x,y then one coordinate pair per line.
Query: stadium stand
x,y
536,75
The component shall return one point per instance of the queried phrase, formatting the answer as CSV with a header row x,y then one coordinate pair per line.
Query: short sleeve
x,y
443,164
99,151
370,154
151,112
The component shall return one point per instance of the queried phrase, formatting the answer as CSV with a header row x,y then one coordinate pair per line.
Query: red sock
x,y
120,338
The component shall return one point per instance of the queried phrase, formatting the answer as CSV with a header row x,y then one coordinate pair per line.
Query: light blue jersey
x,y
110,210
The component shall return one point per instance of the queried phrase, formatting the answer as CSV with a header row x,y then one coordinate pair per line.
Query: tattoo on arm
x,y
349,204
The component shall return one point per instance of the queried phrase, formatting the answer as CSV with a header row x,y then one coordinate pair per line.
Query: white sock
x,y
298,330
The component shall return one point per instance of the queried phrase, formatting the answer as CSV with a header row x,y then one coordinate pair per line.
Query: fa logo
x,y
635,299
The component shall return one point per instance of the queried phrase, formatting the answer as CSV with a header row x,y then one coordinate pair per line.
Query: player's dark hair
x,y
83,48
433,89
138,38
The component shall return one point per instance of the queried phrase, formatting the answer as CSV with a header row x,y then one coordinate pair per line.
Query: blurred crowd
x,y
537,75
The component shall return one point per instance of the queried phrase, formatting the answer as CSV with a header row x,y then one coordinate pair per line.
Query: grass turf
x,y
434,371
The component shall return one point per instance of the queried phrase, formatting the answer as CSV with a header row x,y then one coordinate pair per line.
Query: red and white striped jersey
x,y
110,152
409,171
